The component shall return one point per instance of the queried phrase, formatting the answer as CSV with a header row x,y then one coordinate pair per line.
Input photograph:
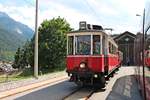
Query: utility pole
x,y
36,42
144,34
143,52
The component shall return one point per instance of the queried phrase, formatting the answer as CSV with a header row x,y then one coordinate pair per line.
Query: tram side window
x,y
96,45
114,49
70,45
110,47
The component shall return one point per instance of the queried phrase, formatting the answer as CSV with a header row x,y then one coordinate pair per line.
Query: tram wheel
x,y
103,81
112,74
117,69
100,83
79,84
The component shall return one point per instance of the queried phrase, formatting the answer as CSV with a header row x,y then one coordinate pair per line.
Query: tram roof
x,y
94,31
78,31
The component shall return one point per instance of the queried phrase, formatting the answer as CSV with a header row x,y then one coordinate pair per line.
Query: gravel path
x,y
23,82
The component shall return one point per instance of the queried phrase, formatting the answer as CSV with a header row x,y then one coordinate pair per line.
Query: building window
x,y
127,39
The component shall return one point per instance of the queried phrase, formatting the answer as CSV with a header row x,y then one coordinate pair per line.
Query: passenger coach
x,y
92,55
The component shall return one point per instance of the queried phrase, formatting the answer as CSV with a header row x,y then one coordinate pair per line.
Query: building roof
x,y
125,34
114,35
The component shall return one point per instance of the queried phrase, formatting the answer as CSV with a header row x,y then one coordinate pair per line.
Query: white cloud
x,y
102,7
71,15
118,14
24,14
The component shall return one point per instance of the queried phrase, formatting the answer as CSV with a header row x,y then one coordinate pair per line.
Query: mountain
x,y
12,35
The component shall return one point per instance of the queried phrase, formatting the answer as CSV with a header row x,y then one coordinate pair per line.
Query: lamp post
x,y
36,42
143,50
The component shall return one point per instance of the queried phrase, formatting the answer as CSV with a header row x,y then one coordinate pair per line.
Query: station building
x,y
126,45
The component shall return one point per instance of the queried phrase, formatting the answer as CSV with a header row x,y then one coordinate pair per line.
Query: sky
x,y
117,14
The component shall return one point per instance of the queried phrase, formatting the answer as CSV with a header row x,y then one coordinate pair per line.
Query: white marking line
x,y
127,87
31,86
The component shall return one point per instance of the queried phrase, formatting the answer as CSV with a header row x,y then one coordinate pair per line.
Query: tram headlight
x,y
82,65
95,75
70,75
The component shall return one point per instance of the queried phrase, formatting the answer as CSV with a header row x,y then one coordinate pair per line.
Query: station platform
x,y
123,86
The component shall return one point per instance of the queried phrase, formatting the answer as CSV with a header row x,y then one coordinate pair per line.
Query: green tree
x,y
52,45
17,59
22,56
52,42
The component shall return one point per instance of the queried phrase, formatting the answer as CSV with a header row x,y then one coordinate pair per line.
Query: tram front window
x,y
83,45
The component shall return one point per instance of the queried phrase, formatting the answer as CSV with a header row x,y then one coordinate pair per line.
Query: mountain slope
x,y
12,35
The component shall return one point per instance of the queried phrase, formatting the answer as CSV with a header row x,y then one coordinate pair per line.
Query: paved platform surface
x,y
123,86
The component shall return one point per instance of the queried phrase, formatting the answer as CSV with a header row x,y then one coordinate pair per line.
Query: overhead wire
x,y
29,3
92,10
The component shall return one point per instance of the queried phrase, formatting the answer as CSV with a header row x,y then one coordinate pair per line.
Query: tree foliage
x,y
52,45
22,56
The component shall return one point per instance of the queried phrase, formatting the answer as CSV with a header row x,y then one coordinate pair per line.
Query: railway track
x,y
82,93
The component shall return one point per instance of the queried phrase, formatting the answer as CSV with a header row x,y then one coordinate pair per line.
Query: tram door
x,y
105,50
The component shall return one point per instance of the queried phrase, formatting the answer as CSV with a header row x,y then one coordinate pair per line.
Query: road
x,y
122,86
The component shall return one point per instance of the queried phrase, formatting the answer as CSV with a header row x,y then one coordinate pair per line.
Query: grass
x,y
7,55
29,72
47,71
4,78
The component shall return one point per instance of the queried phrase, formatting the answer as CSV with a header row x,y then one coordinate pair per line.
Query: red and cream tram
x,y
91,55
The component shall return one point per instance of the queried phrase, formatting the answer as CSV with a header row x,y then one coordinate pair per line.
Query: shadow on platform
x,y
128,66
53,92
125,88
